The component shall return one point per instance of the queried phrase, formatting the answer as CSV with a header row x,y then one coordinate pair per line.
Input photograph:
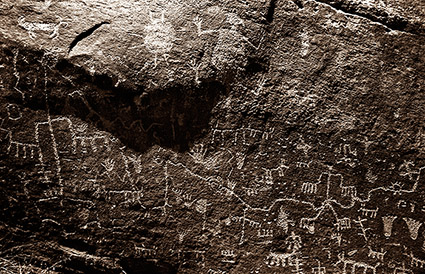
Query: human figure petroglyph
x,y
196,67
44,133
260,86
363,229
135,161
337,236
181,235
160,36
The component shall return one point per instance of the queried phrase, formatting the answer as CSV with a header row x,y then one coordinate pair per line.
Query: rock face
x,y
229,136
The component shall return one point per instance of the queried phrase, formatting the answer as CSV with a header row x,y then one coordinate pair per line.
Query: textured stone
x,y
212,137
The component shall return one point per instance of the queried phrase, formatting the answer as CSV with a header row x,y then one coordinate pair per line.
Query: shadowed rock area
x,y
258,136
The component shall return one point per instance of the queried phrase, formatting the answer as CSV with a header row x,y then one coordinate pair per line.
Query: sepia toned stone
x,y
229,136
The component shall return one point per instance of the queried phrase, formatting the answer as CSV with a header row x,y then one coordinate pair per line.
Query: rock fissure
x,y
85,34
395,23
271,11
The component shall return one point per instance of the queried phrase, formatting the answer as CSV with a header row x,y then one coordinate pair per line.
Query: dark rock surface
x,y
229,136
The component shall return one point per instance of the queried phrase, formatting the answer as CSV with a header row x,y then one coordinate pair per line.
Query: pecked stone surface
x,y
212,136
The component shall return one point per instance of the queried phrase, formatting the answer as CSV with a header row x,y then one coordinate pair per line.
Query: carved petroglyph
x,y
349,191
343,223
265,233
243,135
309,188
44,134
337,237
379,255
216,271
229,256
230,46
283,220
354,265
144,252
388,225
201,205
363,229
125,196
291,258
13,112
318,269
160,36
307,224
401,269
413,226
199,155
348,155
20,149
33,28
369,212
16,73
280,259
406,204
260,86
416,262
196,67
406,170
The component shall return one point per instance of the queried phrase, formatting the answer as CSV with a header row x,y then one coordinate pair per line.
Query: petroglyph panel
x,y
272,136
